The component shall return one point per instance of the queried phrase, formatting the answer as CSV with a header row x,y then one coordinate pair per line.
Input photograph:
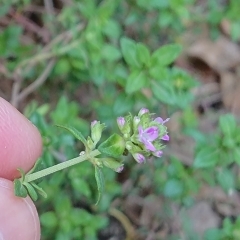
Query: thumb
x,y
18,216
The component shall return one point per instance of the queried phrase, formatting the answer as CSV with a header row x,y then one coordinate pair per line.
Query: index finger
x,y
20,142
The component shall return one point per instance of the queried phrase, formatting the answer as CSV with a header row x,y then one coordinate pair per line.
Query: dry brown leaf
x,y
203,217
152,208
230,86
220,55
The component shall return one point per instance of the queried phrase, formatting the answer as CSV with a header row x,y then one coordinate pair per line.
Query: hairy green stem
x,y
34,176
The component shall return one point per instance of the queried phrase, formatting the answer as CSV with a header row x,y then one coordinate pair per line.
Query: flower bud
x,y
139,157
158,153
136,121
118,170
96,131
121,122
143,111
93,123
124,125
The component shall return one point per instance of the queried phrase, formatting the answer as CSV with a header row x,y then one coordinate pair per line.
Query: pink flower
x,y
147,136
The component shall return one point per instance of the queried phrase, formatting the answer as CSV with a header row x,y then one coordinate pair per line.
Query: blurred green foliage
x,y
121,53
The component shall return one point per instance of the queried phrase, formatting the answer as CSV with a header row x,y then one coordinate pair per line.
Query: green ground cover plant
x,y
73,62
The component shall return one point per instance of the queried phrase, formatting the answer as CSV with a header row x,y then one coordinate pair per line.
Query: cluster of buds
x,y
142,134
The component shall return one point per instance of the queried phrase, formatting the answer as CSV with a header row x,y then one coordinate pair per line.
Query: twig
x,y
38,82
29,25
49,7
50,13
46,51
122,218
37,9
45,54
16,89
62,36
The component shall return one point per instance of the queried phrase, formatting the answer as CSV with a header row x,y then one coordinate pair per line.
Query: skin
x,y
20,146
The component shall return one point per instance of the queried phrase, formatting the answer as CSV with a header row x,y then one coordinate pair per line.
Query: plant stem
x,y
34,176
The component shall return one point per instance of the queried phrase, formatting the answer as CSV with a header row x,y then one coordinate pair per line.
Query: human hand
x,y
20,146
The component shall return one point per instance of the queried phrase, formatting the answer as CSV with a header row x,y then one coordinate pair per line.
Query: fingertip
x,y
20,142
19,218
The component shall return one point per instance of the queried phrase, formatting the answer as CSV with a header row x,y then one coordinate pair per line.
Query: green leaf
x,y
163,92
228,142
81,186
112,29
5,8
165,55
39,190
100,182
22,173
31,191
173,188
110,53
235,31
113,146
136,81
19,189
143,54
226,179
236,155
123,104
213,234
75,133
129,51
37,166
49,219
227,124
159,73
62,67
206,157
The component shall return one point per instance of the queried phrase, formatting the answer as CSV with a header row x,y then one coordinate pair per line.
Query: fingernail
x,y
18,216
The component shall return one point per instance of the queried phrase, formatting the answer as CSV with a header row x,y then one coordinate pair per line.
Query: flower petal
x,y
151,133
149,146
160,120
158,153
165,138
140,131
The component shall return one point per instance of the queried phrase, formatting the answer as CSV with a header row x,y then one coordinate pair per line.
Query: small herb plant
x,y
141,137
